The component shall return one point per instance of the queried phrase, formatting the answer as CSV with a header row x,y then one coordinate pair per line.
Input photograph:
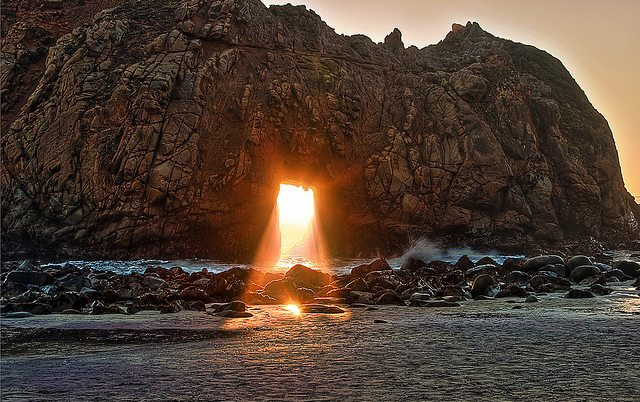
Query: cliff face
x,y
164,129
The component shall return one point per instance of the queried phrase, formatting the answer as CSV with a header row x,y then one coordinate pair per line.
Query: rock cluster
x,y
165,128
30,289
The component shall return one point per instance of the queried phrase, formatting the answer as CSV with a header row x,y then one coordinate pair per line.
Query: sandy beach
x,y
556,349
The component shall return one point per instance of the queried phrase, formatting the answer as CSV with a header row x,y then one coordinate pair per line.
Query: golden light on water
x,y
295,309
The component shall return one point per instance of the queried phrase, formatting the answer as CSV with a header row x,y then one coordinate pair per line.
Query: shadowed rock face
x,y
165,129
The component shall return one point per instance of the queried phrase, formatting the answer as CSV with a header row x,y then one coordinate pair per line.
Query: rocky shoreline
x,y
30,289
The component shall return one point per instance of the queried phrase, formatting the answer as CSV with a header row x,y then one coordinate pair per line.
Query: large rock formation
x,y
164,128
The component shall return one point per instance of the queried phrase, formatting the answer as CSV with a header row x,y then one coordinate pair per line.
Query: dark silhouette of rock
x,y
164,128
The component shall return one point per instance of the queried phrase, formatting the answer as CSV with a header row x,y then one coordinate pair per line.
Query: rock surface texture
x,y
165,128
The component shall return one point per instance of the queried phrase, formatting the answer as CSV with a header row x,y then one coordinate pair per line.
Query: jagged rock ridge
x,y
165,128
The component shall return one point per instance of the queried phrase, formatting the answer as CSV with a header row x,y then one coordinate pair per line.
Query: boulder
x,y
307,277
413,264
283,290
511,290
69,300
519,277
449,291
557,269
29,278
98,308
599,289
76,284
482,269
33,308
216,287
359,285
584,271
630,268
577,261
389,297
535,263
193,293
616,273
464,263
545,282
384,279
377,265
153,282
482,283
531,299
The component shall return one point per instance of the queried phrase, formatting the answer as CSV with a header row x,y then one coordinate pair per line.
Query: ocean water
x,y
422,249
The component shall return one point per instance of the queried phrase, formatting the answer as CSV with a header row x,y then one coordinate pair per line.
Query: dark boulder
x,y
558,269
517,277
630,268
98,308
389,297
29,278
76,284
464,263
283,290
511,290
483,269
482,283
413,264
307,277
535,263
377,265
359,285
599,289
577,261
545,282
449,291
193,293
583,272
69,300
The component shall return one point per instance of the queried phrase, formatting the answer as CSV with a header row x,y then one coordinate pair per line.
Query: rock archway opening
x,y
293,235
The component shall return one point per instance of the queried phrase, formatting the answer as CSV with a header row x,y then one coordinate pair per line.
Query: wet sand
x,y
556,349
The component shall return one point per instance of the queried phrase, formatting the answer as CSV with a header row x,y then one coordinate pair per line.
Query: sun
x,y
295,209
295,205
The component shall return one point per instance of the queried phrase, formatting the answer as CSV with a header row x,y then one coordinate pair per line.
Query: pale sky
x,y
598,41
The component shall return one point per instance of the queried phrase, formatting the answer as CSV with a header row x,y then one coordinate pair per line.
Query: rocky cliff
x,y
164,128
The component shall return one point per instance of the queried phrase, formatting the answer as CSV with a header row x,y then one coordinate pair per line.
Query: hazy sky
x,y
597,40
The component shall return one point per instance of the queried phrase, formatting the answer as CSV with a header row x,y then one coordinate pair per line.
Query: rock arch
x,y
170,139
